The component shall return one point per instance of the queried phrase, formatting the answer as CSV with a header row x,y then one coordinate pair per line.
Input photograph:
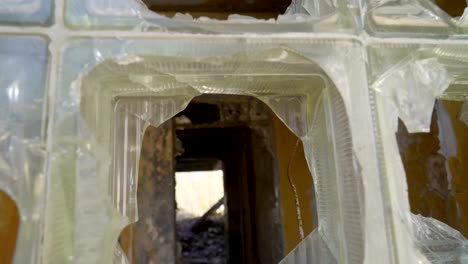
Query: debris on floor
x,y
206,245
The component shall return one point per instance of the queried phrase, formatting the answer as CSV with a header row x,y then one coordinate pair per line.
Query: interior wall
x,y
220,9
152,239
436,165
9,223
251,174
452,7
301,177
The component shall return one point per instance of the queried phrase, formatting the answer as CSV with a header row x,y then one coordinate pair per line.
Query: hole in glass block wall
x,y
220,9
228,163
436,165
9,223
455,8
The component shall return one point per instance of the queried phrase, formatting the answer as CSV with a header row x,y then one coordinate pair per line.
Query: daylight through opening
x,y
219,183
200,218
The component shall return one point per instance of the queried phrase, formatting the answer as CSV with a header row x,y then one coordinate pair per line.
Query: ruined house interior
x,y
227,177
238,135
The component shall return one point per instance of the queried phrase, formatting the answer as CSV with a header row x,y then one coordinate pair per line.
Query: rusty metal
x,y
243,134
152,239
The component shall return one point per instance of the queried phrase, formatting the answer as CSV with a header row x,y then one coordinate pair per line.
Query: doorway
x,y
235,134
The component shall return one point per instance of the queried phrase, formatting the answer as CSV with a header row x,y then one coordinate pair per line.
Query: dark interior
x,y
234,134
221,133
220,9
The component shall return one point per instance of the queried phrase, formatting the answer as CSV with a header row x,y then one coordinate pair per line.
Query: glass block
x,y
420,18
26,12
23,75
301,16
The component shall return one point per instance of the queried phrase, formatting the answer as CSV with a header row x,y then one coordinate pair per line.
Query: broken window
x,y
436,166
220,9
455,8
140,177
242,187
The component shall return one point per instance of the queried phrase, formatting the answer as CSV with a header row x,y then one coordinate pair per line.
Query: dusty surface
x,y
205,246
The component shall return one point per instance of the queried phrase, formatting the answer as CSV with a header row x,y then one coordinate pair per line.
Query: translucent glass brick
x,y
301,16
23,75
81,80
26,12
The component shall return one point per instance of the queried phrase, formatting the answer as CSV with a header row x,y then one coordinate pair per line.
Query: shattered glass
x,y
81,80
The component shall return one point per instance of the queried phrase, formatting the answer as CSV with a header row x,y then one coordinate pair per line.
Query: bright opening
x,y
200,216
225,181
197,192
